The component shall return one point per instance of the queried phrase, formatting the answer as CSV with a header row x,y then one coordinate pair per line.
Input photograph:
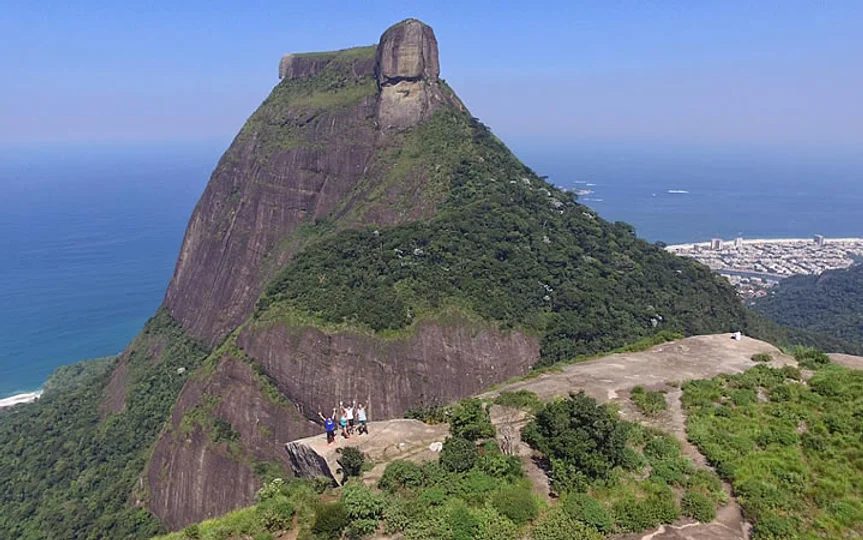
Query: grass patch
x,y
790,458
648,402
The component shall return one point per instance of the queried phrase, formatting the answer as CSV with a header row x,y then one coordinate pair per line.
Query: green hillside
x,y
509,247
830,303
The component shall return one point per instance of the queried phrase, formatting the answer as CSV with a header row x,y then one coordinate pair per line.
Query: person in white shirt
x,y
361,416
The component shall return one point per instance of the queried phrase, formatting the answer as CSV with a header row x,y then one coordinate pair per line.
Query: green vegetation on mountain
x,y
66,472
791,448
509,247
830,303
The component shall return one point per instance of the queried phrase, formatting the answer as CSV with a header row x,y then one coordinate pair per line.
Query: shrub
x,y
321,483
477,485
271,489
632,460
672,470
399,514
579,433
470,420
494,463
494,526
275,513
401,474
458,455
810,358
705,481
433,496
584,508
698,506
762,357
558,525
565,477
360,502
430,414
520,399
661,446
463,525
330,520
351,462
649,403
192,532
516,503
658,506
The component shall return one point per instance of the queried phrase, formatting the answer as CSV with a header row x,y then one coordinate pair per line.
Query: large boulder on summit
x,y
408,50
407,71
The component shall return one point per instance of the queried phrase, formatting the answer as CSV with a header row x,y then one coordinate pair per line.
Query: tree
x,y
578,433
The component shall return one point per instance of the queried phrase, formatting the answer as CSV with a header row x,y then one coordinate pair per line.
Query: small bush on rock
x,y
762,357
350,461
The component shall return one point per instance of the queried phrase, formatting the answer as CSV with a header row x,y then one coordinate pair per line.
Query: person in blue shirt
x,y
329,426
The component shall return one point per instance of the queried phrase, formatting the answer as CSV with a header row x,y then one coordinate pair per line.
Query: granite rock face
x,y
306,463
298,66
438,363
408,51
407,72
193,477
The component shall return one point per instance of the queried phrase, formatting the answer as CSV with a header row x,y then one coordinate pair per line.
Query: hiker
x,y
361,416
343,422
329,426
349,414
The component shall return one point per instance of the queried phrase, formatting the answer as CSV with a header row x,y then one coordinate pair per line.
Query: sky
x,y
745,73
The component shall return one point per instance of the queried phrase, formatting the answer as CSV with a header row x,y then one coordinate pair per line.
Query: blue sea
x,y
89,234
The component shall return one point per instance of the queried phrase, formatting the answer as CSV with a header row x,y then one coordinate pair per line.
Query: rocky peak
x,y
407,70
407,52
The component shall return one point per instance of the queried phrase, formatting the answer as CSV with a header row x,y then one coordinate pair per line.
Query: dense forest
x,y
830,303
69,473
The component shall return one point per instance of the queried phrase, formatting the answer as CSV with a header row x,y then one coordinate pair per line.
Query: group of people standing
x,y
347,421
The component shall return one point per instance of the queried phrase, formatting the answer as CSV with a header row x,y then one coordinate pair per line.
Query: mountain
x,y
363,237
830,303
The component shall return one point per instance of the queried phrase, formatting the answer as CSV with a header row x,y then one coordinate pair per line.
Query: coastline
x,y
749,241
17,399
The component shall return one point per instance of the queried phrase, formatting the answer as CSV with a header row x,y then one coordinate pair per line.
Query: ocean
x,y
89,234
88,240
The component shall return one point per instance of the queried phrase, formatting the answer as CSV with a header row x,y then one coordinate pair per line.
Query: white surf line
x,y
29,397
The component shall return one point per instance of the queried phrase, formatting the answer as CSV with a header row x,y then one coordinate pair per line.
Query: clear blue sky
x,y
767,72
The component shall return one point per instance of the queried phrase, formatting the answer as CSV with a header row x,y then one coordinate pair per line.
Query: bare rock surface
x,y
847,360
697,357
387,440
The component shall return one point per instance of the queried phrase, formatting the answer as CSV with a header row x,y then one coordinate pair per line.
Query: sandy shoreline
x,y
29,397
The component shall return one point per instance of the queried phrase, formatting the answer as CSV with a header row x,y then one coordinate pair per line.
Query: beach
x,y
28,397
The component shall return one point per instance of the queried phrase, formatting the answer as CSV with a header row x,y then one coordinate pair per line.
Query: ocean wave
x,y
27,397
